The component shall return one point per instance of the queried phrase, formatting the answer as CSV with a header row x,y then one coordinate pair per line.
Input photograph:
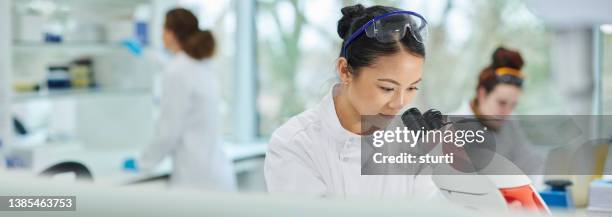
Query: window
x,y
298,46
606,69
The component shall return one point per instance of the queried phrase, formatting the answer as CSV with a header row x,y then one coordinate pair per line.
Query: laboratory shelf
x,y
96,3
89,48
75,93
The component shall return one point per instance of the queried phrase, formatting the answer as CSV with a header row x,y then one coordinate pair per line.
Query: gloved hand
x,y
130,164
134,46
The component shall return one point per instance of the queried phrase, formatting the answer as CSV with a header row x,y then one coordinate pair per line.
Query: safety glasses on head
x,y
509,76
391,27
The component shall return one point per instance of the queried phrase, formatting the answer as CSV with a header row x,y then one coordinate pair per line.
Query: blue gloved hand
x,y
130,164
134,46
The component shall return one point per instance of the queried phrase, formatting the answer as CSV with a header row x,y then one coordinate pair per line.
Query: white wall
x,y
572,68
571,13
5,74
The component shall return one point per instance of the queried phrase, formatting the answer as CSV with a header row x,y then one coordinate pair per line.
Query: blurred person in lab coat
x,y
188,129
498,92
317,153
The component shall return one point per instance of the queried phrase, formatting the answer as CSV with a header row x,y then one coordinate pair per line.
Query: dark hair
x,y
501,57
196,43
363,50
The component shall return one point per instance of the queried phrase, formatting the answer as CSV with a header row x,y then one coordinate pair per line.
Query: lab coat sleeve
x,y
525,156
173,109
289,170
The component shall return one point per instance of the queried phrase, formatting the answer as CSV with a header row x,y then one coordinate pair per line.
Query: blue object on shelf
x,y
58,77
15,162
555,198
130,165
53,38
557,195
142,32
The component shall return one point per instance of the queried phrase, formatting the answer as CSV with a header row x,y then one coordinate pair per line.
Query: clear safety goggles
x,y
391,27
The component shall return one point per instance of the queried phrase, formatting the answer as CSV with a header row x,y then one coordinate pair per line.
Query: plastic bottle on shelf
x,y
142,15
53,33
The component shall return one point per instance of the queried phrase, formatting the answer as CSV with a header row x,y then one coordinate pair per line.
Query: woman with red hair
x,y
499,88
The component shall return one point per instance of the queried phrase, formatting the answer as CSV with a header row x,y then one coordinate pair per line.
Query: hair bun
x,y
348,13
503,57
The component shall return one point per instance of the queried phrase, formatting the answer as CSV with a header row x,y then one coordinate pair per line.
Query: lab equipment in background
x,y
17,162
600,196
79,32
489,192
51,37
25,86
81,73
53,33
20,129
121,30
141,26
78,74
54,23
58,77
476,190
141,32
519,189
558,195
81,172
586,156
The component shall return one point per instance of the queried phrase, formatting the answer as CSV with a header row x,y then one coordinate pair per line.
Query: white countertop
x,y
106,165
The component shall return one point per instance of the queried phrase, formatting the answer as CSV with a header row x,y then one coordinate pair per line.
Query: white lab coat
x,y
188,128
313,155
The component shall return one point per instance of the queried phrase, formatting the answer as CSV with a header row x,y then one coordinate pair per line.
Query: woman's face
x,y
386,86
170,41
500,101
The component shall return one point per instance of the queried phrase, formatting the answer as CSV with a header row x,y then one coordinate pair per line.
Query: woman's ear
x,y
342,68
170,41
481,94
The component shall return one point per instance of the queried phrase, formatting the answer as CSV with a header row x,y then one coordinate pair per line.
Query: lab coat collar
x,y
181,56
331,121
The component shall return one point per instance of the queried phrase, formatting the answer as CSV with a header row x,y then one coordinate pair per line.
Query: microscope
x,y
478,187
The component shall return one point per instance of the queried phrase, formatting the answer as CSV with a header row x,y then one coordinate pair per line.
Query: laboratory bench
x,y
107,165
